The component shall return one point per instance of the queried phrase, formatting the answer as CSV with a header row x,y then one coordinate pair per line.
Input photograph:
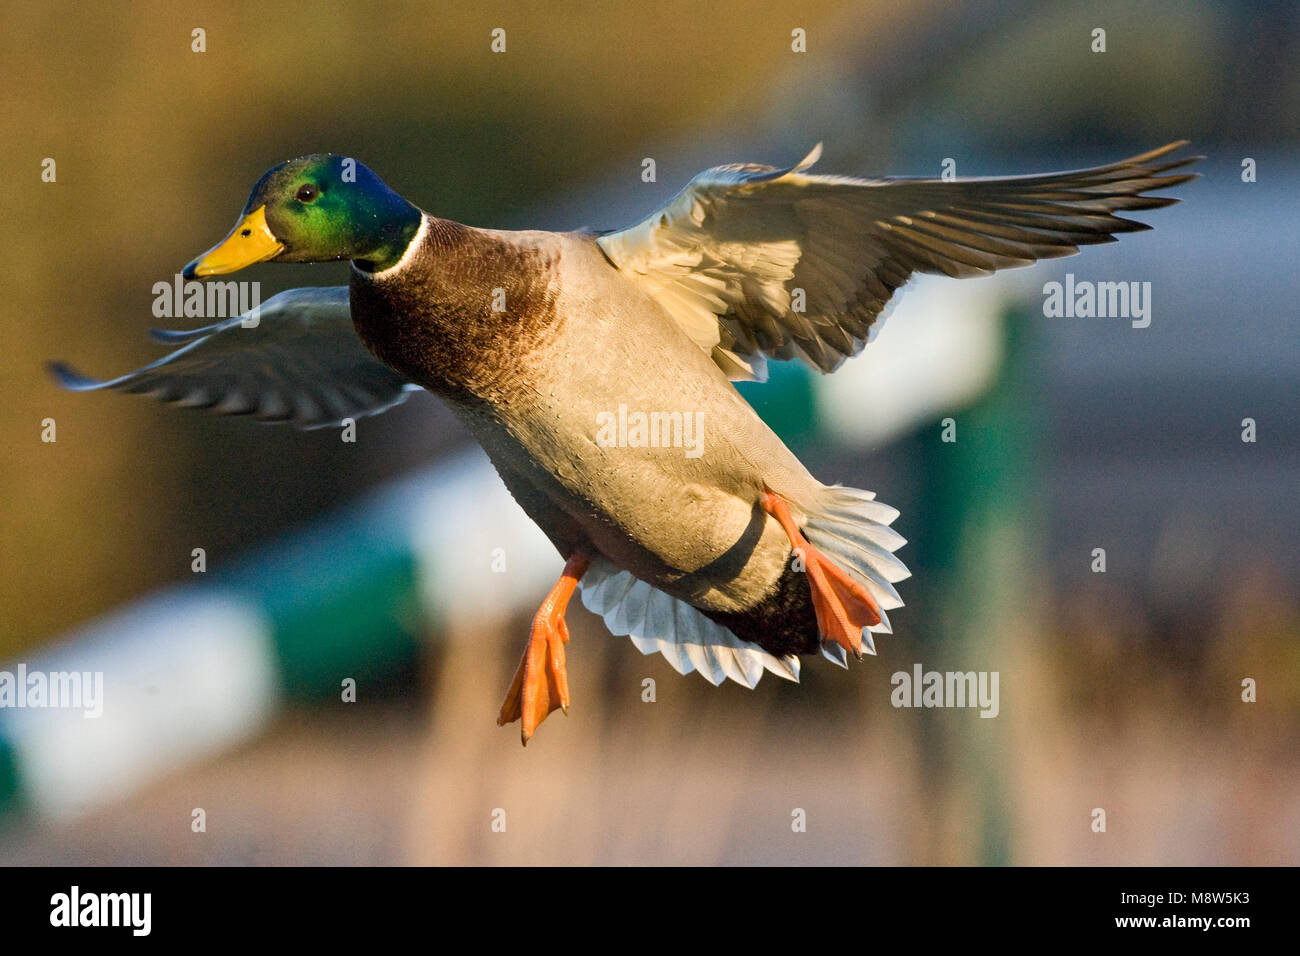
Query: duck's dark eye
x,y
306,193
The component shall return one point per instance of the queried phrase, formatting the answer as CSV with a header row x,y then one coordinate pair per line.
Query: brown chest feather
x,y
463,315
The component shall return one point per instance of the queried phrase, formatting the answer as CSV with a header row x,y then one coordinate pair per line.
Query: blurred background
x,y
373,560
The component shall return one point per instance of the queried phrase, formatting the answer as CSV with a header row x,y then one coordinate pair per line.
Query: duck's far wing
x,y
301,363
754,261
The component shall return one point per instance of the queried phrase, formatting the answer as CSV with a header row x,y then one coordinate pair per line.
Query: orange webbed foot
x,y
843,606
541,682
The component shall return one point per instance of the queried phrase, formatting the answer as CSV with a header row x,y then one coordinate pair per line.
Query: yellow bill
x,y
249,242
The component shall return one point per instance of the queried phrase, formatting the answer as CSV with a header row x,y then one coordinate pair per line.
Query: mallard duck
x,y
578,360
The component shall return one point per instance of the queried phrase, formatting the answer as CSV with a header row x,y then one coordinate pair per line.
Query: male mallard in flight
x,y
729,561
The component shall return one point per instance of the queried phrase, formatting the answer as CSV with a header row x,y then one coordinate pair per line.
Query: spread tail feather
x,y
851,528
658,622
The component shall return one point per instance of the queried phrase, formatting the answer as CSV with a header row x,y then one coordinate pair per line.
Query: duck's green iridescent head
x,y
316,209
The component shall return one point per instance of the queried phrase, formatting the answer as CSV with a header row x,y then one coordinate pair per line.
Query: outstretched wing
x,y
734,253
301,363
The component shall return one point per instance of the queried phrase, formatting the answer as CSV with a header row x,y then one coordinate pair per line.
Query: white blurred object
x,y
941,348
461,519
187,673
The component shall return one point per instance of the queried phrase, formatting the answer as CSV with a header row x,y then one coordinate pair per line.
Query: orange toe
x,y
842,605
541,681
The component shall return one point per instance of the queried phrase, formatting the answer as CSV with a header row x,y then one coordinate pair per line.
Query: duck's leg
x,y
541,683
843,606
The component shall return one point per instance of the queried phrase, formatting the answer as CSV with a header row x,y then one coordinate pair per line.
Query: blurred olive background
x,y
1119,690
